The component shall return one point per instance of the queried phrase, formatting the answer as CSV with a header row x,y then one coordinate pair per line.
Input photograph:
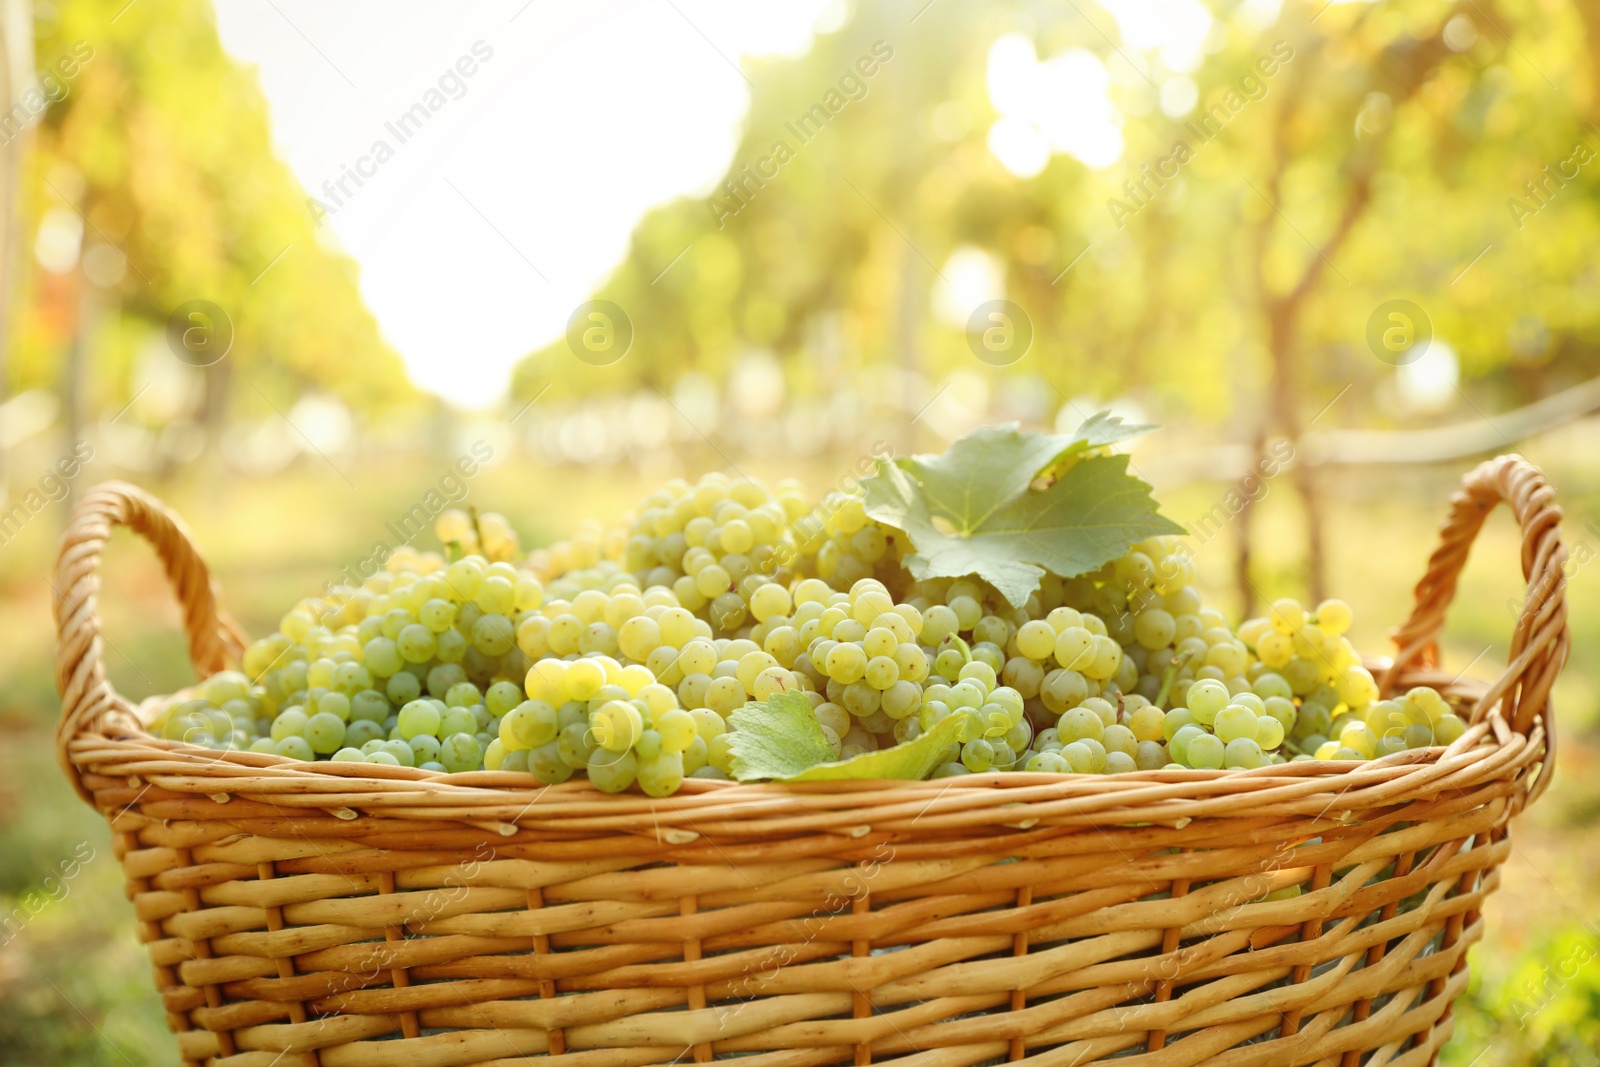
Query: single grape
x,y
611,771
324,732
460,752
419,717
1205,752
662,775
1235,721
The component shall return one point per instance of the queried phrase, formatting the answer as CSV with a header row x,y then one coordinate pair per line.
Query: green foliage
x,y
1375,163
776,738
1545,1012
780,739
163,144
973,510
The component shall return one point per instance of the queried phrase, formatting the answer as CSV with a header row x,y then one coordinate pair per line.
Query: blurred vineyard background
x,y
809,306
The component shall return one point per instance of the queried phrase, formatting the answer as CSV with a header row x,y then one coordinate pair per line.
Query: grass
x,y
74,983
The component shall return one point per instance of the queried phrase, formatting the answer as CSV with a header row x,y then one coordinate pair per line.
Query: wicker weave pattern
x,y
317,913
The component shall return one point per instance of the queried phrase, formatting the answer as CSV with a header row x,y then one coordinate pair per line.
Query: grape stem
x,y
960,646
1168,676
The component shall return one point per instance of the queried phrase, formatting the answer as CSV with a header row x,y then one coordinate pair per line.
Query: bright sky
x,y
480,227
491,223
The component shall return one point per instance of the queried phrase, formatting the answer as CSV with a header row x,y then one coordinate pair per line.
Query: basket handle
x,y
87,698
1541,639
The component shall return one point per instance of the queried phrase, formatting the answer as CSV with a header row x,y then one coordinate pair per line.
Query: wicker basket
x,y
352,915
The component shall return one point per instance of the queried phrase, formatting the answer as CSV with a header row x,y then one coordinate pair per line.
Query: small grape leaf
x,y
781,739
909,761
971,511
776,738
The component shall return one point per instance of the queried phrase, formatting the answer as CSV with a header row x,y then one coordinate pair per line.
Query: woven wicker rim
x,y
1510,719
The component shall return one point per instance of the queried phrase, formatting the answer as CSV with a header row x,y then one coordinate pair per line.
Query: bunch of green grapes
x,y
617,724
414,667
586,560
226,713
995,729
841,545
714,543
488,534
859,650
1215,702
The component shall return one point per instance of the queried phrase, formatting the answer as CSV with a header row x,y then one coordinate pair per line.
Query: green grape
x,y
291,722
770,682
1119,739
881,672
403,688
1079,723
360,731
948,663
1036,639
531,724
324,732
460,752
1241,752
1269,732
611,771
1448,728
462,720
977,756
383,756
1155,628
768,600
616,726
400,750
424,748
846,663
348,755
437,615
295,747
663,775
416,643
1235,721
369,704
1205,699
1150,756
678,730
419,717
1119,763
493,635
462,695
351,678
1079,757
1205,752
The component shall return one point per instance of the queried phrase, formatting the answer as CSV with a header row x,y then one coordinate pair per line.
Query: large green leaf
x,y
972,511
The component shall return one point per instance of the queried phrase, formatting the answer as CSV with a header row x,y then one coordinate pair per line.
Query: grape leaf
x,y
995,463
911,760
971,511
781,739
776,738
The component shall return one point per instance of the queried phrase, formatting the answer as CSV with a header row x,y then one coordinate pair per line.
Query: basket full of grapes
x,y
951,765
